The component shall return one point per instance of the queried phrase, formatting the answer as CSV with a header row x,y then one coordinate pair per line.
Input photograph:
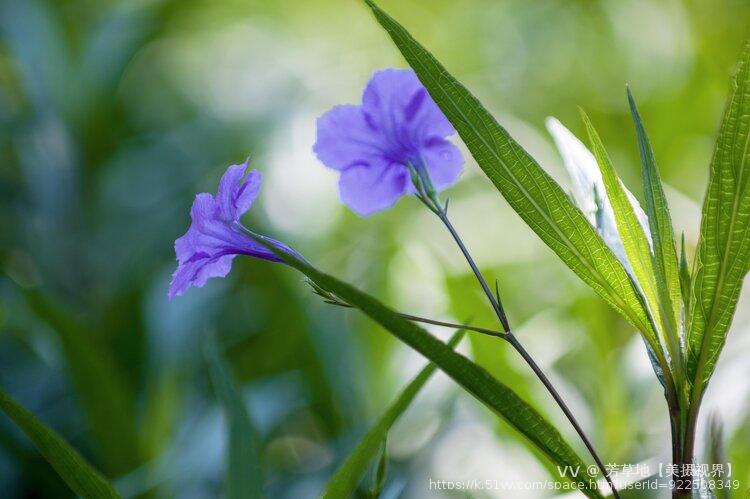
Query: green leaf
x,y
244,474
532,193
631,233
499,398
665,263
104,394
77,473
344,481
381,471
723,252
684,276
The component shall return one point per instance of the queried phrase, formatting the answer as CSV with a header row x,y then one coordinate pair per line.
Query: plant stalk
x,y
332,299
467,327
687,452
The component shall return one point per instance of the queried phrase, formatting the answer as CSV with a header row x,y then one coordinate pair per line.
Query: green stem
x,y
467,327
511,338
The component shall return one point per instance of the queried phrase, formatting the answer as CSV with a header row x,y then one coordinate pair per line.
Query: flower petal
x,y
215,266
246,193
444,162
228,185
196,271
203,211
235,195
215,236
399,105
344,138
184,246
367,189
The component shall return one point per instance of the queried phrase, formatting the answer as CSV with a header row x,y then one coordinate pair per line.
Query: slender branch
x,y
568,414
511,338
335,300
468,327
499,311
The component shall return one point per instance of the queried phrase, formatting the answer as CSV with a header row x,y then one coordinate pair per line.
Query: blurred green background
x,y
113,114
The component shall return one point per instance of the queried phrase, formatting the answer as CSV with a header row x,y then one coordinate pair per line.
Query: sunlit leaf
x,y
244,475
532,193
723,252
633,238
684,276
345,480
77,473
665,266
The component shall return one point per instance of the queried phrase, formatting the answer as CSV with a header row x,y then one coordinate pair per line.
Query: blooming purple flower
x,y
372,144
216,236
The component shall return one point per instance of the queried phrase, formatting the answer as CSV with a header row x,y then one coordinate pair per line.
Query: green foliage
x,y
665,264
244,477
344,481
77,473
685,278
631,233
723,252
103,392
114,114
498,397
530,191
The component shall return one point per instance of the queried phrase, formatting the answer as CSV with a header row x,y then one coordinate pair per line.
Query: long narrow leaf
x,y
633,238
532,193
103,392
244,475
77,473
662,234
723,252
498,397
684,276
344,482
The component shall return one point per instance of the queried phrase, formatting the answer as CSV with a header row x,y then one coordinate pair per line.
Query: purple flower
x,y
371,145
216,236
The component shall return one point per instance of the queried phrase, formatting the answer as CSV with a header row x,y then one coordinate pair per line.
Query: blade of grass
x,y
344,481
80,476
244,478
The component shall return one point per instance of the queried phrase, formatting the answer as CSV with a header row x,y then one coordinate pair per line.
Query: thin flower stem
x,y
511,338
489,332
331,300
499,311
